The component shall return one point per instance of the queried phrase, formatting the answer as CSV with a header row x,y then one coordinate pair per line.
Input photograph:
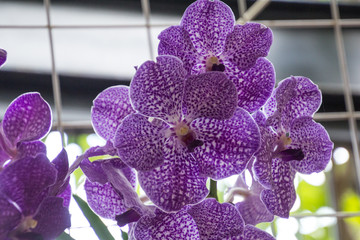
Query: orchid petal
x,y
26,182
209,95
157,88
228,144
104,200
254,85
110,107
314,142
140,143
280,199
246,43
121,182
10,216
295,97
253,233
217,221
175,41
178,225
30,149
52,218
27,118
177,182
208,23
253,210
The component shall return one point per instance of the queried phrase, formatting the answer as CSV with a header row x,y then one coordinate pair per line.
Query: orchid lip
x,y
292,154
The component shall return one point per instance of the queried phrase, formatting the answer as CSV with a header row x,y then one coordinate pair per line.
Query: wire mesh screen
x,y
70,51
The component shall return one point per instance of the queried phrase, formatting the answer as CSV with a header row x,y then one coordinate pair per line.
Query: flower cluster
x,y
34,192
206,109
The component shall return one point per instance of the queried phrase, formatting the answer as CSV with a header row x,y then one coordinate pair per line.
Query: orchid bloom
x,y
195,131
208,40
291,142
26,121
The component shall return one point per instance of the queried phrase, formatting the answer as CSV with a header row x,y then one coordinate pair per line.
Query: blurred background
x,y
71,50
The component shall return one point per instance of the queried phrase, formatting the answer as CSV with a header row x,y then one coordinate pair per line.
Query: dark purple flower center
x,y
187,137
214,64
218,67
292,154
190,141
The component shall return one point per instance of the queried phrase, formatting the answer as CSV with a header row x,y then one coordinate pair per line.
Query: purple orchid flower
x,y
110,190
208,220
3,55
208,40
27,119
291,142
110,183
252,209
28,210
198,132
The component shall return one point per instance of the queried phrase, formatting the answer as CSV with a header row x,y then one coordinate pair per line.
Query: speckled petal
x,y
140,142
104,200
217,221
253,233
246,44
210,95
263,162
110,107
121,183
228,144
52,218
295,96
178,225
157,88
30,149
3,55
66,195
254,85
208,23
315,143
27,118
176,182
10,216
253,210
26,182
175,41
61,164
280,199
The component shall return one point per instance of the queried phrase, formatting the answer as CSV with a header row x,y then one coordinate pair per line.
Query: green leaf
x,y
124,235
64,236
311,197
97,225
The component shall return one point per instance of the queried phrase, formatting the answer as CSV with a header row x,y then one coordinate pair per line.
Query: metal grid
x,y
336,23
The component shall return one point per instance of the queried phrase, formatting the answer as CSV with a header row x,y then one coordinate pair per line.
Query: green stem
x,y
213,190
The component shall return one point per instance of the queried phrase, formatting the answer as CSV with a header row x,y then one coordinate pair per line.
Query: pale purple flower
x,y
208,40
26,121
28,208
198,132
110,189
252,209
291,141
110,183
208,220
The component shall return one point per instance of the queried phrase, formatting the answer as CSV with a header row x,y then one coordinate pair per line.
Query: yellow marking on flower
x,y
182,131
210,62
285,139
